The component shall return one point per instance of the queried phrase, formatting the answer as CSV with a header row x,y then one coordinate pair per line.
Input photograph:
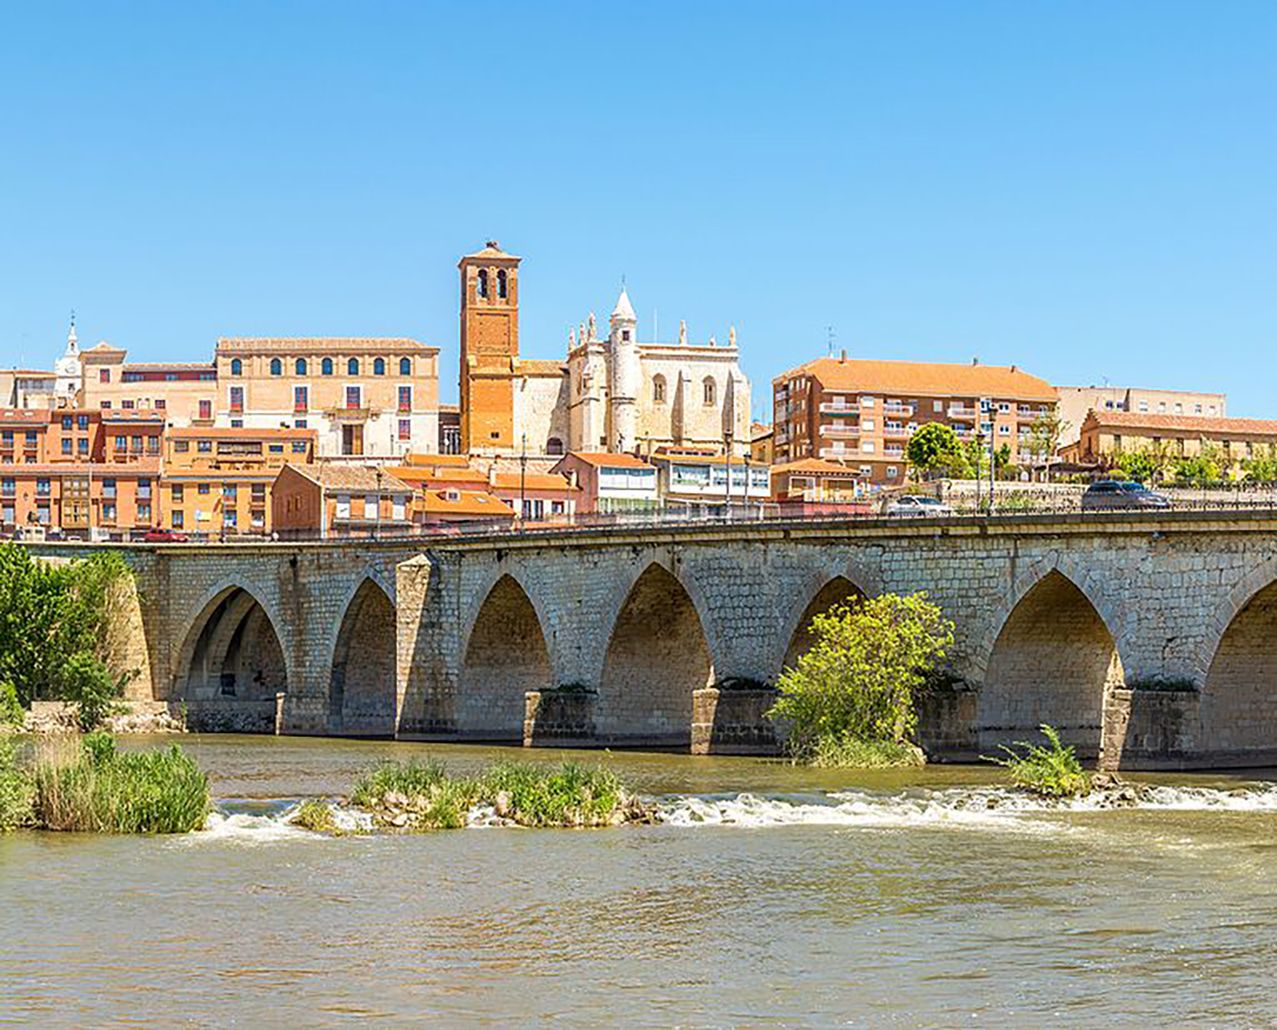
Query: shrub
x,y
568,795
11,711
100,790
1052,771
851,753
316,816
859,680
412,779
86,682
15,787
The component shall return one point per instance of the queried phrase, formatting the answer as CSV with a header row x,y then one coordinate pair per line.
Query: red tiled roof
x,y
604,459
925,379
1205,425
816,466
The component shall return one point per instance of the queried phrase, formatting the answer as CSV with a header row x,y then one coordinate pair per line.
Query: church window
x,y
379,366
554,445
276,367
352,367
299,366
501,283
658,390
711,390
237,367
405,366
326,366
481,283
625,335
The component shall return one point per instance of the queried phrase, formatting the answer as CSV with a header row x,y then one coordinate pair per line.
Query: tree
x,y
1044,437
934,447
859,679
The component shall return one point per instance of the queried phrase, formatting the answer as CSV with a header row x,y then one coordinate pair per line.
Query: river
x,y
769,896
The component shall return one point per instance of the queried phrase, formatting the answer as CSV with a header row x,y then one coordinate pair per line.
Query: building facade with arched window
x,y
363,396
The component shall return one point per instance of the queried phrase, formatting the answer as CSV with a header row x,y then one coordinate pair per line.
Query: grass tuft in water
x,y
93,788
849,752
316,816
1052,771
422,796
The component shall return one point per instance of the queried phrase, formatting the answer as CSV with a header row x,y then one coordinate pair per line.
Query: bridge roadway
x,y
1149,639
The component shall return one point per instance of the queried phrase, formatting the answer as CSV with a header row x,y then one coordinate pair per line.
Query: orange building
x,y
184,392
489,350
327,500
80,472
610,482
534,492
862,412
218,481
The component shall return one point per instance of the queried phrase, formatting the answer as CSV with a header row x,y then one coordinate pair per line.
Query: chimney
x,y
843,358
975,361
1014,369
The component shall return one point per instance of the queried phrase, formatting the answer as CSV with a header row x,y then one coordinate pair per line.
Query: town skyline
x,y
1044,190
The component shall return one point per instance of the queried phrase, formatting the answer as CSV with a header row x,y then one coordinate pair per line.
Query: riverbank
x,y
49,718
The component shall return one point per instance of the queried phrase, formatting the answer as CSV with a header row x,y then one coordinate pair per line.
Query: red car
x,y
164,536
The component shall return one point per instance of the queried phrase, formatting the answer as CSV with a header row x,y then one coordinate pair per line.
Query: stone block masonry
x,y
1058,618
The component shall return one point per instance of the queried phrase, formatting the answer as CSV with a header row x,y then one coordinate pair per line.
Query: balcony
x,y
837,453
846,408
351,414
899,409
896,433
835,429
894,452
963,412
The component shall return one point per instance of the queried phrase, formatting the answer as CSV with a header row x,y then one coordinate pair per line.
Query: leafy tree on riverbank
x,y
853,693
54,619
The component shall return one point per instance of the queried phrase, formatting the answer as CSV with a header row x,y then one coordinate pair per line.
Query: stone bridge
x,y
1151,641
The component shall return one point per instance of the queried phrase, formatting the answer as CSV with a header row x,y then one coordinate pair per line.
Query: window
x,y
237,367
206,409
370,509
1197,409
181,446
481,283
143,512
937,405
343,507
867,424
237,398
379,366
326,366
658,389
405,429
866,402
160,404
398,507
121,443
353,397
152,445
105,405
867,447
108,511
82,422
31,438
144,489
299,366
67,421
1004,407
299,447
1004,430
42,487
204,446
202,489
230,518
300,423
301,398
178,493
7,487
136,445
230,493
108,488
352,367
405,398
405,366
501,283
66,445
178,520
104,375
258,493
276,367
710,390
891,471
276,448
82,446
554,445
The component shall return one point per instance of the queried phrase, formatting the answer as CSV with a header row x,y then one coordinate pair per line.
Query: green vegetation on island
x,y
87,785
851,699
1053,771
421,795
54,639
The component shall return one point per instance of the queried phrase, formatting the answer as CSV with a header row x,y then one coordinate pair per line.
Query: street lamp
x,y
523,473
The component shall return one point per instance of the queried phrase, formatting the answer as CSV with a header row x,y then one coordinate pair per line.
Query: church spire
x,y
72,339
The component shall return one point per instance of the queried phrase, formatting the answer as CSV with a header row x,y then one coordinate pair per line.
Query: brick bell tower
x,y
489,349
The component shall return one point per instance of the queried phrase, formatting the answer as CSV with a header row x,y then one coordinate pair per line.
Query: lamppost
x,y
523,475
727,465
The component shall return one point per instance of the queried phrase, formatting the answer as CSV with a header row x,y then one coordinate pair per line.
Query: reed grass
x,y
15,787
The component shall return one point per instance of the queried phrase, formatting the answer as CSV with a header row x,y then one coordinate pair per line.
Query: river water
x,y
769,896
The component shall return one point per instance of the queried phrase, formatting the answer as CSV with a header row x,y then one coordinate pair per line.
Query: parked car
x,y
164,536
1112,494
914,504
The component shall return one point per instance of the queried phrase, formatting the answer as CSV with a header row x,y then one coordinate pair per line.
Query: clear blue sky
x,y
1086,189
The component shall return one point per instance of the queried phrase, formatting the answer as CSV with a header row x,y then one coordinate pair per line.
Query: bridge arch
x,y
504,656
657,654
361,685
232,663
1053,660
796,634
1239,691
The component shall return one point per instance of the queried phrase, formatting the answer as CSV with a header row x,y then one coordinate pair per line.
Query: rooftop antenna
x,y
830,336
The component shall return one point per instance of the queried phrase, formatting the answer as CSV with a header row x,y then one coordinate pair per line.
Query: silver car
x,y
914,504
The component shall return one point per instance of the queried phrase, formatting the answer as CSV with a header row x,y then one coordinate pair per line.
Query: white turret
x,y
67,367
626,379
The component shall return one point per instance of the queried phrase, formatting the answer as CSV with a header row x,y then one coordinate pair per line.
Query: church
x,y
609,394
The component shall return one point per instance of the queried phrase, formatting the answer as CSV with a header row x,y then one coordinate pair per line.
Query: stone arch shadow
x,y
822,588
656,655
362,690
503,655
1237,722
1049,654
231,671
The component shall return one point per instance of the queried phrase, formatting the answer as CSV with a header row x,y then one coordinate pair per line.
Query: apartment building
x,y
1106,434
690,478
364,397
218,481
77,470
862,412
1077,401
329,500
